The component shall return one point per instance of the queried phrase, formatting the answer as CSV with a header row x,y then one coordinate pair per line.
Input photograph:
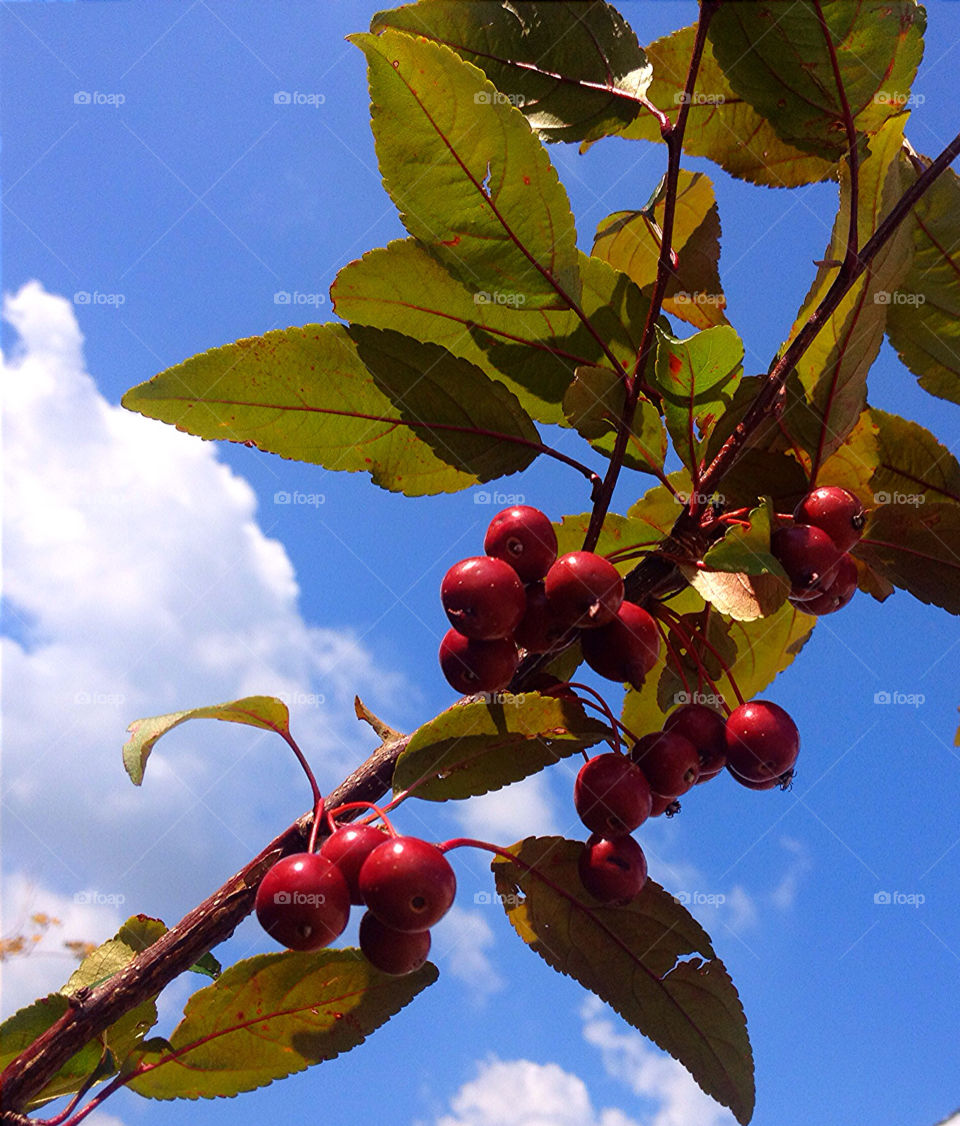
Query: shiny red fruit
x,y
782,783
483,598
348,847
538,631
808,555
625,649
583,589
613,871
835,511
836,594
707,731
477,666
408,884
523,537
668,806
669,761
762,741
392,951
303,901
611,795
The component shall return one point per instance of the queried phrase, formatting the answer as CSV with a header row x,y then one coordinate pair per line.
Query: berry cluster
x,y
615,793
406,885
520,596
828,521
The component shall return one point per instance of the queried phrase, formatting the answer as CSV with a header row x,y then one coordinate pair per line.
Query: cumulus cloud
x,y
522,1093
524,809
460,945
138,580
649,1073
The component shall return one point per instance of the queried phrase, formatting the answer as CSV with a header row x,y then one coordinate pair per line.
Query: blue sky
x,y
145,571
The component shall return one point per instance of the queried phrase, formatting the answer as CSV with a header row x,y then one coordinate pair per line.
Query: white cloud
x,y
524,809
784,894
138,580
460,945
649,1073
522,1093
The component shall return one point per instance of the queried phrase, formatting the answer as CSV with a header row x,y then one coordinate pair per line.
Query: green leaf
x,y
533,352
575,69
833,370
912,467
268,1017
631,241
265,712
659,508
651,961
357,399
777,58
617,533
923,320
721,125
916,547
697,378
469,178
852,465
593,404
747,550
765,647
20,1030
477,747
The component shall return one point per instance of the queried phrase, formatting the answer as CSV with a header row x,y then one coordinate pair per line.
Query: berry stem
x,y
317,796
602,706
377,810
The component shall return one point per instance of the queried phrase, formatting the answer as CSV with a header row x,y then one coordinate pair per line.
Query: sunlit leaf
x,y
631,241
414,417
696,378
916,546
721,125
574,69
833,370
912,467
746,550
265,712
534,352
473,748
270,1016
777,58
651,961
470,179
923,320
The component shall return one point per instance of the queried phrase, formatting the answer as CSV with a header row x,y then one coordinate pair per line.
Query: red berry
x,y
625,649
611,795
782,783
669,806
835,511
613,871
707,730
392,951
583,589
348,847
408,884
477,666
483,598
538,631
669,761
523,537
808,555
762,741
836,594
303,901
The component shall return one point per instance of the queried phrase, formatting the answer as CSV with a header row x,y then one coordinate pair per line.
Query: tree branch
x,y
212,922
